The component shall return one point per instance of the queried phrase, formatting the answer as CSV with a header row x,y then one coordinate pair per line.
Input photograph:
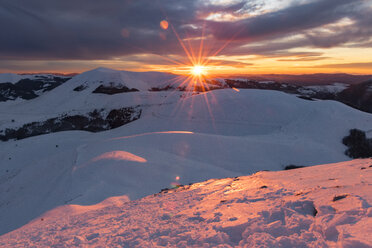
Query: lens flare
x,y
164,24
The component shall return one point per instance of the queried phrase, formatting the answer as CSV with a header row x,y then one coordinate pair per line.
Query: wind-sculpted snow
x,y
320,206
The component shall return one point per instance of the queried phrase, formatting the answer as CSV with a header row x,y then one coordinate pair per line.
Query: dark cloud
x,y
89,29
304,19
96,29
292,19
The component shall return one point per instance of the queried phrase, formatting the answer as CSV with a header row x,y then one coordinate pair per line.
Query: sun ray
x,y
195,68
183,45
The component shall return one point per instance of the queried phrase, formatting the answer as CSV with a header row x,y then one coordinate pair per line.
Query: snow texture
x,y
319,206
180,138
218,134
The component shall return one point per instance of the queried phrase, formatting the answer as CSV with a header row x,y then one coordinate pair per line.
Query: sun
x,y
197,70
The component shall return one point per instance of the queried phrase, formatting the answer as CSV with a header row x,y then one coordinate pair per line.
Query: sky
x,y
224,36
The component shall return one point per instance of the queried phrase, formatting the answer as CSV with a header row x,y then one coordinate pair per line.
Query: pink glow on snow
x,y
120,155
294,208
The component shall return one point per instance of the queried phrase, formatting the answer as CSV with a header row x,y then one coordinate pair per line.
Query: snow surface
x,y
320,206
64,100
217,134
192,137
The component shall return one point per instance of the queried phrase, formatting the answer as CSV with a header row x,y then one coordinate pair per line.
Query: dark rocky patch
x,y
292,167
196,218
80,88
29,88
165,190
315,211
165,88
306,98
112,89
358,96
236,179
338,197
358,144
94,121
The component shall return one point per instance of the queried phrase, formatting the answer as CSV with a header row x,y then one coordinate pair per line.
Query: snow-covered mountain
x,y
142,81
26,87
91,100
320,206
78,98
170,137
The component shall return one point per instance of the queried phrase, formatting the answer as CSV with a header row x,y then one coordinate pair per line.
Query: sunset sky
x,y
236,37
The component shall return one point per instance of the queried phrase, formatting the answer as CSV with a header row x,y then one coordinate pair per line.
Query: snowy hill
x,y
320,206
142,81
10,77
77,97
356,95
217,134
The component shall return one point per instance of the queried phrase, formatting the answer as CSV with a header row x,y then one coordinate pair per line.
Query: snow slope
x,y
321,206
10,77
193,138
64,100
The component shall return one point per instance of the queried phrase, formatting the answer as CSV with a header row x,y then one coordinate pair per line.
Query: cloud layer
x,y
103,30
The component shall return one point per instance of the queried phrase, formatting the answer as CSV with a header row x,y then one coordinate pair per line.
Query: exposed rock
x,y
29,88
94,121
358,144
113,89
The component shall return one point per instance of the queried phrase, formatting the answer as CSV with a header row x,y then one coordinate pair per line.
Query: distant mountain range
x,y
357,95
14,86
309,79
353,90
